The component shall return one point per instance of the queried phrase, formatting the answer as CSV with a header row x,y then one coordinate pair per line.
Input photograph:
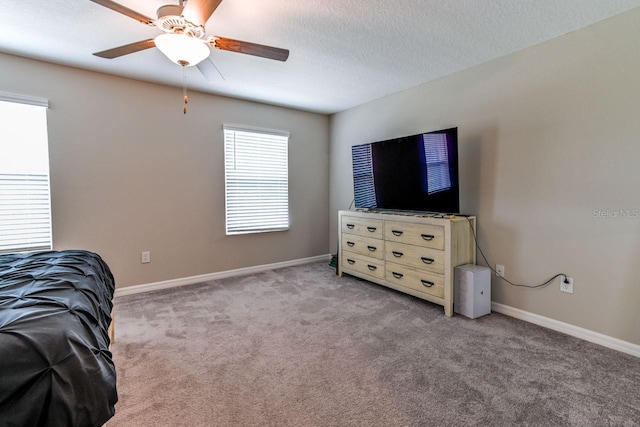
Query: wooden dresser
x,y
412,253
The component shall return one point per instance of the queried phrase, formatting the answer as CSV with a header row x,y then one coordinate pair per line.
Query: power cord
x,y
541,285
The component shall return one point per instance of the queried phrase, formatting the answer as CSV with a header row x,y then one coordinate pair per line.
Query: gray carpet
x,y
301,347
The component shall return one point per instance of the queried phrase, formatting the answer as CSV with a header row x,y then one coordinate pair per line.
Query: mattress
x,y
55,365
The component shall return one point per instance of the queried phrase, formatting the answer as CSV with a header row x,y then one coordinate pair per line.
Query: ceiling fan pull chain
x,y
184,88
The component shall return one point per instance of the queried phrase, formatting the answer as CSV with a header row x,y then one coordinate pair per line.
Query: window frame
x,y
14,185
271,182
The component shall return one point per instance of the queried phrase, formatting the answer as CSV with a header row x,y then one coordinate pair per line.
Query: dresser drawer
x,y
365,265
362,226
415,256
431,236
421,281
366,246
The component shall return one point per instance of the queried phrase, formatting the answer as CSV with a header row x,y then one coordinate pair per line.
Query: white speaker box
x,y
472,290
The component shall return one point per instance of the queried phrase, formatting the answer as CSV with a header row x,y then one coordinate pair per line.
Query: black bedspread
x,y
55,365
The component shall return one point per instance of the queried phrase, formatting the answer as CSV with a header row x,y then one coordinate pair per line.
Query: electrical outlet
x,y
499,270
566,286
146,257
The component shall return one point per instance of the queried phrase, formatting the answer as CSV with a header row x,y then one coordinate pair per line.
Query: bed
x,y
55,365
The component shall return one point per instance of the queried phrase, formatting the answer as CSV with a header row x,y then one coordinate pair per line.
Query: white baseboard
x,y
566,328
148,287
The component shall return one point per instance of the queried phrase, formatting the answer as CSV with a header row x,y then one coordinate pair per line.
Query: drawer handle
x,y
397,275
350,226
350,244
397,254
427,283
427,260
372,267
397,232
371,248
371,229
350,261
428,237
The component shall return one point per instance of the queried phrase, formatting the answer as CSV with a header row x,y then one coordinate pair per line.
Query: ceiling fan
x,y
183,40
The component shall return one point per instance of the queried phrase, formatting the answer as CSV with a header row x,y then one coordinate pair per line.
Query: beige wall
x,y
546,136
130,172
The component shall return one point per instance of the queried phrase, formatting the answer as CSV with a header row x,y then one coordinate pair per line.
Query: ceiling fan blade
x,y
199,11
126,49
209,70
125,11
251,49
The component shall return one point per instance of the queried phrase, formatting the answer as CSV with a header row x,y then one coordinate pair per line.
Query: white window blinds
x,y
25,208
256,180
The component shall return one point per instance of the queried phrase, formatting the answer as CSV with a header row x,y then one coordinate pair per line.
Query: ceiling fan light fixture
x,y
182,49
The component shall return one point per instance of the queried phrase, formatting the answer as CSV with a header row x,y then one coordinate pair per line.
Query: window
x,y
437,156
25,208
256,180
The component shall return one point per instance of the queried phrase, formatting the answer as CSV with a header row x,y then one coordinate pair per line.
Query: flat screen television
x,y
412,173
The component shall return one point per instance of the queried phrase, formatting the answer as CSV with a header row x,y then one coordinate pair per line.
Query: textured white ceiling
x,y
343,52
